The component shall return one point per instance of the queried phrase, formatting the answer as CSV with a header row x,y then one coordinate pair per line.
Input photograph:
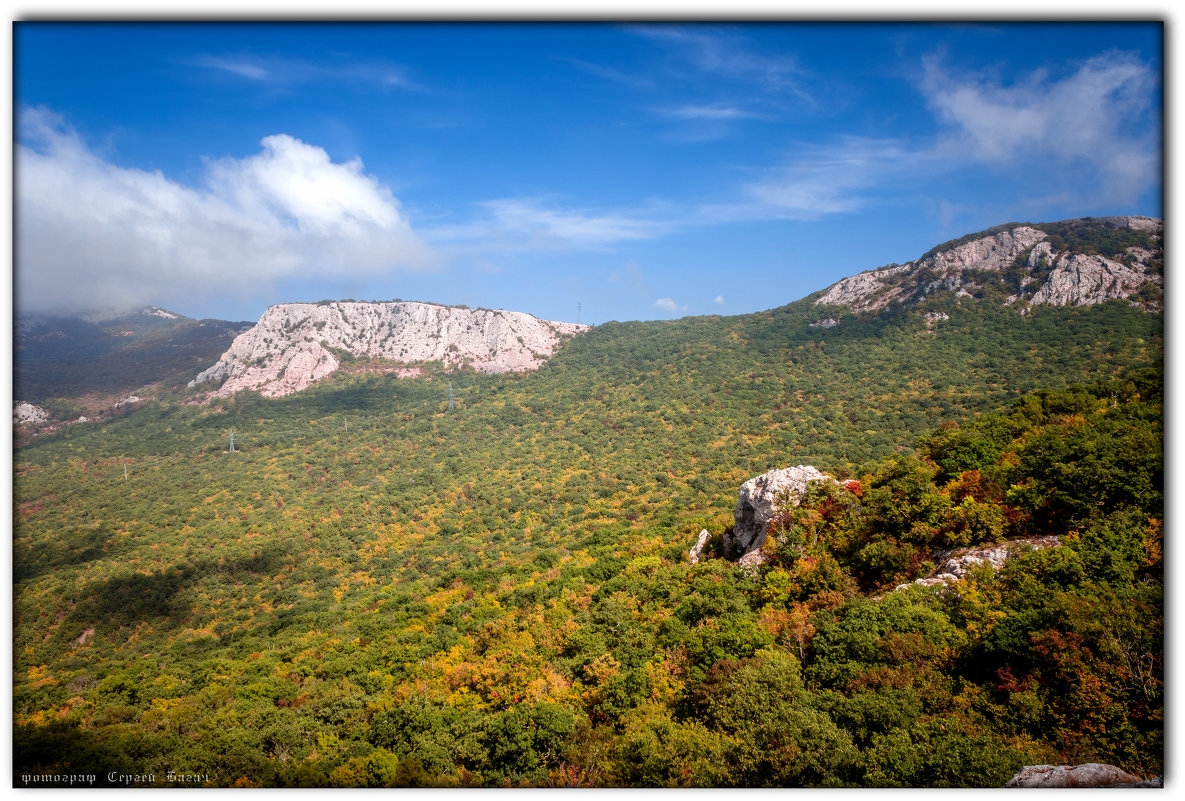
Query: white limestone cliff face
x,y
1055,279
874,290
291,347
1079,280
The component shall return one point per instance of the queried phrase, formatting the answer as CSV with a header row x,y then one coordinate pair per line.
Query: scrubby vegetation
x,y
372,590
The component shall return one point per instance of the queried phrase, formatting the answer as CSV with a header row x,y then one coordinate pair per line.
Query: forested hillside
x,y
376,589
66,358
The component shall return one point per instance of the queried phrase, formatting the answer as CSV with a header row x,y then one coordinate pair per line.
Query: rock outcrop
x,y
694,554
1054,277
759,500
28,414
297,344
1079,280
947,270
1092,774
955,563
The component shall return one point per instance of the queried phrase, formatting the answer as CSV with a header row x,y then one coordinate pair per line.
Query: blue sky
x,y
642,171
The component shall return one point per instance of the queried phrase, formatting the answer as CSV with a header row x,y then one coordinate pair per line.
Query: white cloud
x,y
1084,117
91,234
719,299
669,305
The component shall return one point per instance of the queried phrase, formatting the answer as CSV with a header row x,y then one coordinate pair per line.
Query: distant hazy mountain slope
x,y
1071,263
68,357
293,345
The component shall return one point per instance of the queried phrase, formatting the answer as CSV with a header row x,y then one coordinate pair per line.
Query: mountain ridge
x,y
296,344
1076,262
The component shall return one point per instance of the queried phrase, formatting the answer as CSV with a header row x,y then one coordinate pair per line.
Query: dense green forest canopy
x,y
375,590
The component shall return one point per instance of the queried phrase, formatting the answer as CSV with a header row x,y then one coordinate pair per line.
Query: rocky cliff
x,y
296,344
1071,263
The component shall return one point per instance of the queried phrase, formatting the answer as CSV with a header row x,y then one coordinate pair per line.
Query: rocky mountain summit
x,y
1071,263
297,344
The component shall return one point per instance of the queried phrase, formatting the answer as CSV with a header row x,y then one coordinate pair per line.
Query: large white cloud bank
x,y
91,235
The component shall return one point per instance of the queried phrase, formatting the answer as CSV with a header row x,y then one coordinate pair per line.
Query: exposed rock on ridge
x,y
1055,278
759,500
874,290
1079,280
955,563
292,346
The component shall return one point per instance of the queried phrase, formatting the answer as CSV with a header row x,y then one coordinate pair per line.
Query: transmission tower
x,y
232,441
579,319
450,396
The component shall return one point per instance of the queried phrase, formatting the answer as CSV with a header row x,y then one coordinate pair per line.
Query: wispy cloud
x,y
244,68
819,180
624,77
1085,117
92,234
283,72
726,54
668,304
541,223
719,300
708,112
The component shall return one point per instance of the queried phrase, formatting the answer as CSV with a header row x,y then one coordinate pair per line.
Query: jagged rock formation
x,y
759,500
1050,276
1079,280
293,345
1092,774
954,563
27,413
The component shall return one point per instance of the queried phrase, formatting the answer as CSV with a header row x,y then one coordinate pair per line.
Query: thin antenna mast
x,y
579,320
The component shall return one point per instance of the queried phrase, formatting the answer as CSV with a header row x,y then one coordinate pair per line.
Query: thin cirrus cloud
x,y
1095,116
93,235
541,223
722,53
286,71
819,180
708,112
